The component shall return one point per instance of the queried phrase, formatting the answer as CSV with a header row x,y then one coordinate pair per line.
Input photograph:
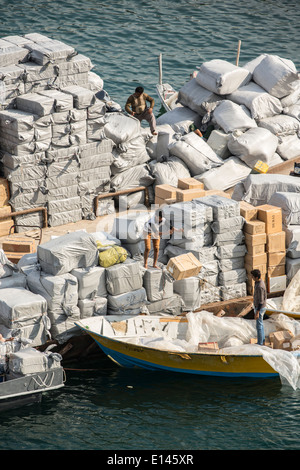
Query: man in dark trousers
x,y
136,105
259,304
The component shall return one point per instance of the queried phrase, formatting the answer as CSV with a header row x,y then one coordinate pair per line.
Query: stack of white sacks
x,y
212,231
254,112
60,145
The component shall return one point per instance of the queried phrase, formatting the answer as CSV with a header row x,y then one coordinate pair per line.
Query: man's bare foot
x,y
155,266
154,133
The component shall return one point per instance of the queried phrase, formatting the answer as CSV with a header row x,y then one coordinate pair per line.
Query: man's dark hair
x,y
139,89
256,273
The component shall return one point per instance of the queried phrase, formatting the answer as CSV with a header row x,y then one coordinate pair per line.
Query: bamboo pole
x,y
238,52
160,68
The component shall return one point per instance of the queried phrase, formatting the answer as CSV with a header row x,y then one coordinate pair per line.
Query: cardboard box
x,y
189,194
19,245
254,250
210,346
5,227
165,191
272,216
275,259
275,242
254,227
4,192
281,339
261,267
161,202
257,260
248,211
257,239
189,183
184,266
217,192
276,284
275,271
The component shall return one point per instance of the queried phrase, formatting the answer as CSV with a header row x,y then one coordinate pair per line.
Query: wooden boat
x,y
118,338
19,391
166,93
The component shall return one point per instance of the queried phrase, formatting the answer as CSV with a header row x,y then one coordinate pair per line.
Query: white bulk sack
x,y
196,97
288,146
260,188
30,361
290,206
276,75
169,170
294,97
221,77
281,124
157,284
91,282
180,119
258,101
132,178
196,153
293,111
231,116
218,141
67,252
292,240
7,268
226,176
121,128
252,145
124,277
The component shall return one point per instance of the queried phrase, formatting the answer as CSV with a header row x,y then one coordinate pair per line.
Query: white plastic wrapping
x,y
221,77
253,145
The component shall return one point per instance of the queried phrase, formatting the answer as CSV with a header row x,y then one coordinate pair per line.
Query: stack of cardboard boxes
x,y
186,190
7,222
265,243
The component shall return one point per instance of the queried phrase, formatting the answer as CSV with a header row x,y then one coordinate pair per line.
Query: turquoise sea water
x,y
116,409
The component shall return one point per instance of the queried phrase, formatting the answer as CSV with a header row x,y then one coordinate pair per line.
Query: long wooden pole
x,y
238,52
160,68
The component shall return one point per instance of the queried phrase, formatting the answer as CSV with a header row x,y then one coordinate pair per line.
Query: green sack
x,y
114,255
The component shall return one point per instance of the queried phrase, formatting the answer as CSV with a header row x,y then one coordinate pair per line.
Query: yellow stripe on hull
x,y
132,355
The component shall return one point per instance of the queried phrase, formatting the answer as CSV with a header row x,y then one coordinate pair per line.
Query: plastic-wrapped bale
x,y
121,128
92,307
11,84
11,54
30,361
36,334
91,282
288,146
180,119
222,207
130,154
7,268
60,292
253,145
196,153
15,280
293,98
169,170
226,176
257,100
281,125
234,276
50,50
129,303
228,231
276,75
234,291
36,104
196,97
82,97
124,277
204,254
63,327
158,284
292,266
230,252
231,117
290,206
222,77
218,141
62,254
194,292
130,228
132,178
20,307
64,211
27,263
292,240
258,189
168,306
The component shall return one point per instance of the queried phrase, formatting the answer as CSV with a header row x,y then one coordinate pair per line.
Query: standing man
x,y
136,105
259,304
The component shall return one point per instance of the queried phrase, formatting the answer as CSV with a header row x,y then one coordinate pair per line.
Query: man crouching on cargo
x,y
153,229
136,106
259,304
